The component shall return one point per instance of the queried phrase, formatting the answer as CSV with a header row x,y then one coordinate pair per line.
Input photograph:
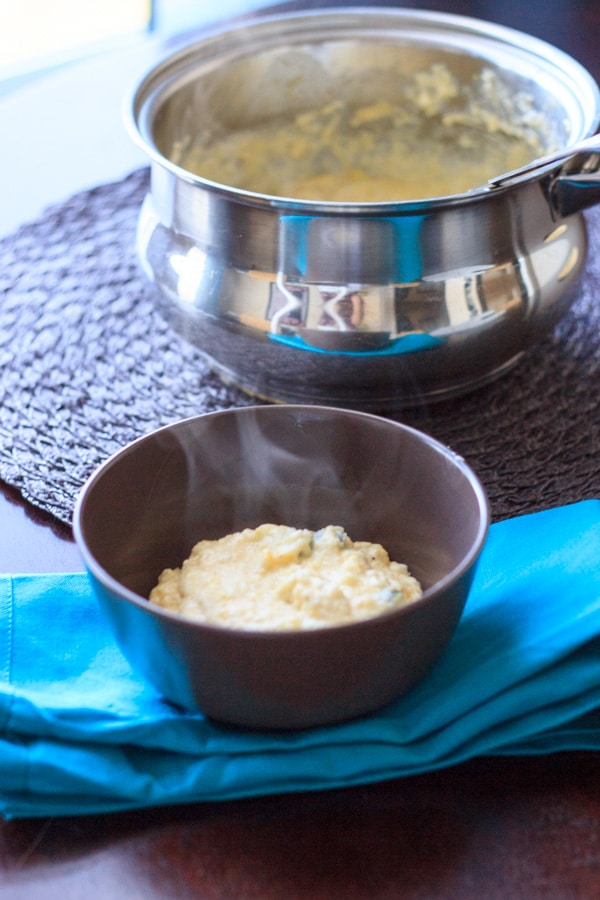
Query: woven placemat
x,y
87,365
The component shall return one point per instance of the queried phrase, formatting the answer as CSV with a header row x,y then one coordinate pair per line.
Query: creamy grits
x,y
442,139
279,578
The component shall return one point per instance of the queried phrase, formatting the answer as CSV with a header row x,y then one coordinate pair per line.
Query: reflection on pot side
x,y
283,336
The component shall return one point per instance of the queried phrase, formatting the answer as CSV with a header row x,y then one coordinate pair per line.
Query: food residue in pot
x,y
442,139
276,577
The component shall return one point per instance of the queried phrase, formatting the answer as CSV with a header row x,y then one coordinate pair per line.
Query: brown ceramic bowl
x,y
305,466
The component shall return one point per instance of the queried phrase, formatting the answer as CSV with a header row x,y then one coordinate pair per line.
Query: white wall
x,y
175,16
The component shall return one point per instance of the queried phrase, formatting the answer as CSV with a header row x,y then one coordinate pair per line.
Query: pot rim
x,y
231,41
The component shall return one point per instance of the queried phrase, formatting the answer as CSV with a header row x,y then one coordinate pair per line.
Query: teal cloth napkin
x,y
81,733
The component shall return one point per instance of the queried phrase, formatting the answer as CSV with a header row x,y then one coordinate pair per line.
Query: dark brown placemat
x,y
86,365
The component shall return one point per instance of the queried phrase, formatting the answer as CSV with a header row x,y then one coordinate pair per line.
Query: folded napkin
x,y
81,733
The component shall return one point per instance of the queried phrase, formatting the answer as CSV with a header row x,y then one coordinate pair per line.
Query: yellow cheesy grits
x,y
278,578
440,138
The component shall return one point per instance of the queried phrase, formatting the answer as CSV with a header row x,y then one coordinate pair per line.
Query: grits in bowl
x,y
276,577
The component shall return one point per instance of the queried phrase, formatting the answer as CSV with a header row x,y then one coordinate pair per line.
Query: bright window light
x,y
38,33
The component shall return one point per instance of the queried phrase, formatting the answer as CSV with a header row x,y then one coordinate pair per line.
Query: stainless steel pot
x,y
368,305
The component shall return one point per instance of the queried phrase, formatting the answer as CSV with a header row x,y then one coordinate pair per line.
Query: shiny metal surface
x,y
589,145
574,172
372,306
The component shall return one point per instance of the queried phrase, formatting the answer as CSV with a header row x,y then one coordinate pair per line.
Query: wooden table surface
x,y
491,828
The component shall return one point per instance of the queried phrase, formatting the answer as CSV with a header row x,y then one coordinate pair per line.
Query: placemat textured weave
x,y
86,365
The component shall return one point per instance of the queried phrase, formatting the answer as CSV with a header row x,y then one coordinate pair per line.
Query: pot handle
x,y
571,194
574,183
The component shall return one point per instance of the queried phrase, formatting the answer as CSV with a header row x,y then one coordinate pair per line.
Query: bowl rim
x,y
100,574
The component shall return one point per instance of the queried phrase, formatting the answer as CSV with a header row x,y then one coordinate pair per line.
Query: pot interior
x,y
381,102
